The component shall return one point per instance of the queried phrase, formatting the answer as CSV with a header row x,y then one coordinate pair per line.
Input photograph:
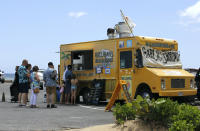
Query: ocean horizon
x,y
9,76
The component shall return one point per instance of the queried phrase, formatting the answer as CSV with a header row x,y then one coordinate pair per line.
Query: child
x,y
74,83
34,86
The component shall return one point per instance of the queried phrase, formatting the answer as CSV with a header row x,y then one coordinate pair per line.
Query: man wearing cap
x,y
50,77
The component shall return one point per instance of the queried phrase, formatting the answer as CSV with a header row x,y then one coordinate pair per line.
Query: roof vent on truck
x,y
123,29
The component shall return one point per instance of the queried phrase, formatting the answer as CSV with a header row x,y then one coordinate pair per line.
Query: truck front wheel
x,y
145,93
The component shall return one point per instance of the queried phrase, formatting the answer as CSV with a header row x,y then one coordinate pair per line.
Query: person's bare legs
x,y
75,96
62,98
19,98
53,98
48,98
27,97
72,96
66,98
24,98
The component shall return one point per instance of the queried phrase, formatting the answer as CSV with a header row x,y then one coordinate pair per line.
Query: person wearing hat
x,y
50,78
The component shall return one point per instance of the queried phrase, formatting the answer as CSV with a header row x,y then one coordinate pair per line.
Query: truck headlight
x,y
163,84
192,84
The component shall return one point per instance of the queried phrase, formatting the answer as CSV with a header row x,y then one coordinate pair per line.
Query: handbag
x,y
61,89
36,90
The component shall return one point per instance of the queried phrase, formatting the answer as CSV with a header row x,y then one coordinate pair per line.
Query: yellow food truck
x,y
150,66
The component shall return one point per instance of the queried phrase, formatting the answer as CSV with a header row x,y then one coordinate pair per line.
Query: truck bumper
x,y
178,93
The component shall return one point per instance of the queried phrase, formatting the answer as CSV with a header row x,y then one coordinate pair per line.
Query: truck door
x,y
126,67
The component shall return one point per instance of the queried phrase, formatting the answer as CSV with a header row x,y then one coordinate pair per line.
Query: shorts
x,y
51,89
73,87
67,89
23,87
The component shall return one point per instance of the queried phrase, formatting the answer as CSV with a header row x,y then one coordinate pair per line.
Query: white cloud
x,y
77,14
190,15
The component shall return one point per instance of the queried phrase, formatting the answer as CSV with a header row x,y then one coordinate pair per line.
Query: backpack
x,y
53,75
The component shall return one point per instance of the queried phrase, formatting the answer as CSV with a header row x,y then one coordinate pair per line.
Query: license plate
x,y
180,94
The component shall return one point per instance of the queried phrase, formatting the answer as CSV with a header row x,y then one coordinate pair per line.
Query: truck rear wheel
x,y
86,96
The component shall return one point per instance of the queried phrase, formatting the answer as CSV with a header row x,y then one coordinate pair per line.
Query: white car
x,y
42,87
40,74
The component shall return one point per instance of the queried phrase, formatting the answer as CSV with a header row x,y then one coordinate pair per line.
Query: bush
x,y
189,114
164,112
124,113
181,125
161,111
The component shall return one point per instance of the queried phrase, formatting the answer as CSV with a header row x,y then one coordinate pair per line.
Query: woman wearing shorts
x,y
74,83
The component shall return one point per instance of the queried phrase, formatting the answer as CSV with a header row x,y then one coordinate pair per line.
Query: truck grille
x,y
178,83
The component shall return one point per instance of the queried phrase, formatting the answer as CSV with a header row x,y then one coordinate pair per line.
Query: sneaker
x,y
31,106
48,106
53,106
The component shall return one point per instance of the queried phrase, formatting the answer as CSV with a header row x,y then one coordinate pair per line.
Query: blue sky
x,y
34,29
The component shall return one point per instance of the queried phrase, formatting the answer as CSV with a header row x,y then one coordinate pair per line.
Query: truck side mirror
x,y
135,62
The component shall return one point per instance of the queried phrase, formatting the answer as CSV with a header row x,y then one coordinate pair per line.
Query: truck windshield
x,y
158,58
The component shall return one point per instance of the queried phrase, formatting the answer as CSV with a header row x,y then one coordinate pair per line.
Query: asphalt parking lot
x,y
65,117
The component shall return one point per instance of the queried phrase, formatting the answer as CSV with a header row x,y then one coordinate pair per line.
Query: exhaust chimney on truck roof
x,y
123,30
111,33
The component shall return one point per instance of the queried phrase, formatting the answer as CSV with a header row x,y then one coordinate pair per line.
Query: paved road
x,y
64,117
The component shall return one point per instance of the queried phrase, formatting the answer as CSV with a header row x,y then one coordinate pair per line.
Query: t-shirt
x,y
34,83
64,74
49,82
68,76
22,72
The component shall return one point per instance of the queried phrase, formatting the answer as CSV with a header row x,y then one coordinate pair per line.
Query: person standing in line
x,y
74,82
68,76
14,88
28,67
64,73
23,83
35,87
62,98
16,80
49,77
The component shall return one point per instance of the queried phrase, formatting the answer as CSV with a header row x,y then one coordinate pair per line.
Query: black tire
x,y
198,92
86,97
78,99
145,93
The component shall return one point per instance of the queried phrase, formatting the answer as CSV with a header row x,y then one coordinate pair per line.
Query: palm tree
x,y
65,57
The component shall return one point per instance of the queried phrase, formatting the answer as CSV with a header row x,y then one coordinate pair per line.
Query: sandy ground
x,y
135,125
